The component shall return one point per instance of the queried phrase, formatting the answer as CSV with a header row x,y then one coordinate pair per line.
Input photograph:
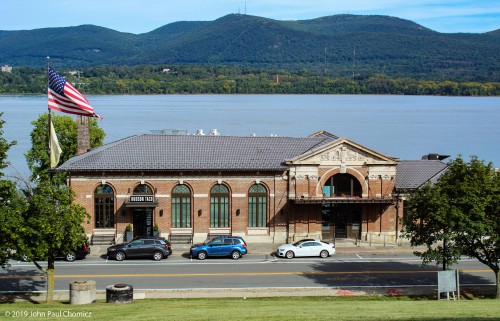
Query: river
x,y
405,127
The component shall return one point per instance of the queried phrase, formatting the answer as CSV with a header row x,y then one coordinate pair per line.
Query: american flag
x,y
65,98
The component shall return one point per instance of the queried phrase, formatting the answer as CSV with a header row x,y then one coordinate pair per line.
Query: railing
x,y
372,239
339,200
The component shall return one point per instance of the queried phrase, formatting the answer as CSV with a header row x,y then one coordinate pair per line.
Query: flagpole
x,y
49,136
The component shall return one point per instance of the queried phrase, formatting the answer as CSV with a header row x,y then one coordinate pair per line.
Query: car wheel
x,y
24,258
235,255
120,256
323,254
70,257
289,255
157,256
202,255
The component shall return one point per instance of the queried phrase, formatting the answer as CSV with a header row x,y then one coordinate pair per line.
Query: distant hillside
x,y
340,45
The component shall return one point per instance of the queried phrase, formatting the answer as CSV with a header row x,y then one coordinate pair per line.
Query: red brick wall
x,y
302,219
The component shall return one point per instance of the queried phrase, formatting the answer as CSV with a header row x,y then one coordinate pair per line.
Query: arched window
x,y
342,185
257,206
143,189
104,207
181,207
219,206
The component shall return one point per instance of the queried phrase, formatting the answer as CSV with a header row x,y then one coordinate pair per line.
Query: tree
x,y
11,206
458,215
66,130
53,225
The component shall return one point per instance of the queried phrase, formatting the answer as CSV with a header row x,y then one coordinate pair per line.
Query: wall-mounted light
x,y
238,212
199,212
128,190
161,212
156,190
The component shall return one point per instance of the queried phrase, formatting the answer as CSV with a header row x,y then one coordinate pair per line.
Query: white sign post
x,y
448,281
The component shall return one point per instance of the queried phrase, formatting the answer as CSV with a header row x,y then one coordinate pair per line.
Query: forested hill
x,y
340,45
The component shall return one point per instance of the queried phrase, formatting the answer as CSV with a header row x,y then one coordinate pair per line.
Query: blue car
x,y
232,246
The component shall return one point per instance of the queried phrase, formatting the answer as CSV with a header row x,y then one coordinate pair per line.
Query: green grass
x,y
276,308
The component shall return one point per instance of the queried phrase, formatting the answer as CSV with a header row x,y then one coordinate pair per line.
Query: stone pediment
x,y
342,152
343,155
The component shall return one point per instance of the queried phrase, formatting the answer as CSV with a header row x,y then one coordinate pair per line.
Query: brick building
x,y
266,189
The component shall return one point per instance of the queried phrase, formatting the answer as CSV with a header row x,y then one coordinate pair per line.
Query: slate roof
x,y
411,174
160,152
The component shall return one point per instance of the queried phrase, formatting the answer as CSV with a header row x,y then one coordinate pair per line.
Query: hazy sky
x,y
139,16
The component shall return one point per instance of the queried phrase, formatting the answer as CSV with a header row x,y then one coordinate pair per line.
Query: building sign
x,y
142,198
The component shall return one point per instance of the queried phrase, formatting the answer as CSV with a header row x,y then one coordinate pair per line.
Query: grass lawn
x,y
276,308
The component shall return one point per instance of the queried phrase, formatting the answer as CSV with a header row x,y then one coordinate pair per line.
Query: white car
x,y
306,248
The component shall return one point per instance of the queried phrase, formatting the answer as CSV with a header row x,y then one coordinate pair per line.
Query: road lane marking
x,y
65,276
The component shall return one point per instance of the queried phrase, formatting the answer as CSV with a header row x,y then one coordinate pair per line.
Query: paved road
x,y
349,270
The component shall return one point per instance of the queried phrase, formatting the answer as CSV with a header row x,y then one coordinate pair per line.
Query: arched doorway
x,y
341,219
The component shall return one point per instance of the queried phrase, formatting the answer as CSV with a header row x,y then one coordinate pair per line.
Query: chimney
x,y
83,135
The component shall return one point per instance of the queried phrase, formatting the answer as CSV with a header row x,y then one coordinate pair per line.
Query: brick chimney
x,y
83,134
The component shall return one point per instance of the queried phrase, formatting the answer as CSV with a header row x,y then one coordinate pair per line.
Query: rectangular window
x,y
176,212
219,211
257,211
181,212
103,212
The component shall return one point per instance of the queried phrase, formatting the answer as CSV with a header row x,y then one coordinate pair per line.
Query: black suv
x,y
232,246
78,253
156,248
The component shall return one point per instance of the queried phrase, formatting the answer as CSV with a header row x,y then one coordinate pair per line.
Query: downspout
x,y
397,217
274,208
192,217
308,212
381,207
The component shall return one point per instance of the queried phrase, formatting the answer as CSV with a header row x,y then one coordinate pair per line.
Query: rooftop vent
x,y
434,157
170,131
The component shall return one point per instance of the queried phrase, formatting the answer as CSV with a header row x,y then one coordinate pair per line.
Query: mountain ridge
x,y
343,44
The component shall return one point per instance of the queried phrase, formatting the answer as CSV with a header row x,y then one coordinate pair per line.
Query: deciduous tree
x,y
53,226
11,206
459,215
65,126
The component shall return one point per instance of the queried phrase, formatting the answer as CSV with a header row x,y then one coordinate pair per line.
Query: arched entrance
x,y
341,219
143,203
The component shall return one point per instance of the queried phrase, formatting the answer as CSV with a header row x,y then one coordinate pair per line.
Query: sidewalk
x,y
342,246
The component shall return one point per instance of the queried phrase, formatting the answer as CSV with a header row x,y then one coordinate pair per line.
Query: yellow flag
x,y
55,149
